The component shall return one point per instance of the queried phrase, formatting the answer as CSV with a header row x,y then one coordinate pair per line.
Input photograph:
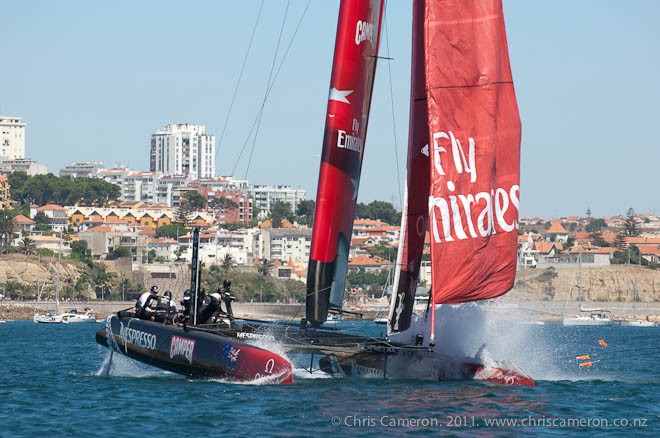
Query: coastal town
x,y
142,233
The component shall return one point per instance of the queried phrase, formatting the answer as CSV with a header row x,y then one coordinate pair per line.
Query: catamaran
x,y
192,349
462,186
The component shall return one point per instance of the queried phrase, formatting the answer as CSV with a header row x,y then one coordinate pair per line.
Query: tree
x,y
80,251
383,250
378,210
151,256
6,229
223,203
194,200
630,226
596,237
172,231
44,189
182,213
305,212
620,241
121,251
228,262
595,225
280,210
42,222
27,246
264,267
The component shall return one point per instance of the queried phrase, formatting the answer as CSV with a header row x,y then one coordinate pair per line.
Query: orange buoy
x,y
585,364
602,343
585,357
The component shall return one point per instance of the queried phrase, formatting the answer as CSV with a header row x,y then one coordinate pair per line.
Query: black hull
x,y
192,352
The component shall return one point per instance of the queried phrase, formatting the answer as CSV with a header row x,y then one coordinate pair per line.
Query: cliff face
x,y
28,270
608,283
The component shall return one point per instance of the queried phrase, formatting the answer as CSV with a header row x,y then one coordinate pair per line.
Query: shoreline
x,y
543,311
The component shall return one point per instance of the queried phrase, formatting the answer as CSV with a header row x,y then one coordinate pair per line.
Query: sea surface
x,y
56,381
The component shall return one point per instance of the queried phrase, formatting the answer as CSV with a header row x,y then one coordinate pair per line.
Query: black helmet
x,y
226,283
168,294
155,289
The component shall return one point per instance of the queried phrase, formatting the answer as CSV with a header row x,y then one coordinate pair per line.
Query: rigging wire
x,y
389,72
238,82
254,123
268,87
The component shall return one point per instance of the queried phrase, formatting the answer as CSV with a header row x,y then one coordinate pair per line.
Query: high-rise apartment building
x,y
183,150
12,137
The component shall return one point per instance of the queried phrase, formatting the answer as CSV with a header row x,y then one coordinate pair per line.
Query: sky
x,y
94,80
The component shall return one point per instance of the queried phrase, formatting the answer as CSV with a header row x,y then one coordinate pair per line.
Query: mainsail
x,y
356,49
463,159
474,128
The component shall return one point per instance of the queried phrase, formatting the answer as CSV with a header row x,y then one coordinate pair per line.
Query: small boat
x,y
47,318
333,319
589,318
73,317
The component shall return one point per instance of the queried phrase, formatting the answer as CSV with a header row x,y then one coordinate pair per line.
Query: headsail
x,y
474,129
414,222
353,70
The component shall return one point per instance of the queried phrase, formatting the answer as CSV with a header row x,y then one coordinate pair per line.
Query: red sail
x,y
351,85
415,211
474,130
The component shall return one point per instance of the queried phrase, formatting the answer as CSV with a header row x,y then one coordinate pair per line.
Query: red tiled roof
x,y
99,229
51,207
22,220
363,260
556,228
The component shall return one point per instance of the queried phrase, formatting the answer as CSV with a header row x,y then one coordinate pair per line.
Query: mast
x,y
194,274
57,277
351,85
414,217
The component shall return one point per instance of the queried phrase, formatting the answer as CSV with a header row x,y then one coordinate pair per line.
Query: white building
x,y
264,196
12,137
139,186
30,167
183,150
82,169
285,244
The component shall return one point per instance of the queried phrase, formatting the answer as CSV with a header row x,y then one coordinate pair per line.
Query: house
x,y
23,224
556,233
372,265
56,214
650,253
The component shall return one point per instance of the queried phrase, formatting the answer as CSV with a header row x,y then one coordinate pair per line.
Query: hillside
x,y
610,283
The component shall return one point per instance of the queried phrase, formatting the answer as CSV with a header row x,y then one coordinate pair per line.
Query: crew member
x,y
143,306
228,297
207,310
166,308
218,298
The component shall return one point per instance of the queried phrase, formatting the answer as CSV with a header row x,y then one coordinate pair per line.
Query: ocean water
x,y
56,381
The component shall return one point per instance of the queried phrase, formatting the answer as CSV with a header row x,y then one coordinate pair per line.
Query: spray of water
x,y
500,333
